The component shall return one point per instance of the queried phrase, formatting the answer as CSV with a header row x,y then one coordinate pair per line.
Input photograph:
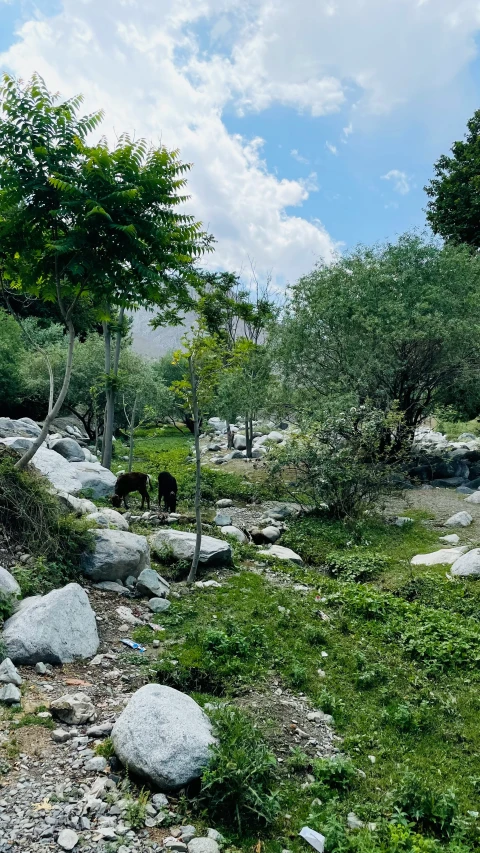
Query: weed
x,y
338,774
106,748
356,566
239,783
136,810
431,810
297,760
7,603
34,720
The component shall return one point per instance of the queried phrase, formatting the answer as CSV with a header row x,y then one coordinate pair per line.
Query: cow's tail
x,y
149,483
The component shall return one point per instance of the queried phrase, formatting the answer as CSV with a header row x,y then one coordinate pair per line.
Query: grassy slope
x,y
402,672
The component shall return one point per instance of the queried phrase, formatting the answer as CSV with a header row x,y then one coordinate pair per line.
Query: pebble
x,y
97,764
159,801
10,695
67,839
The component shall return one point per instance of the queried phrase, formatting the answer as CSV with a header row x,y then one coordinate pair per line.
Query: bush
x,y
32,517
239,784
336,464
338,774
356,566
432,811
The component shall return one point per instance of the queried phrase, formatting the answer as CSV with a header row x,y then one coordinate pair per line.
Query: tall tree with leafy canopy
x,y
454,207
81,222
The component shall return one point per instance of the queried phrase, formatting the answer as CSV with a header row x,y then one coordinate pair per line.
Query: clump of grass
x,y
338,774
136,810
240,784
106,748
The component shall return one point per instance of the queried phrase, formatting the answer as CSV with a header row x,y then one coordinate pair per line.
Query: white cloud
x,y
346,132
400,180
332,148
298,157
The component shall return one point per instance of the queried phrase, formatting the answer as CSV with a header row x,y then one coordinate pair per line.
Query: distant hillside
x,y
156,342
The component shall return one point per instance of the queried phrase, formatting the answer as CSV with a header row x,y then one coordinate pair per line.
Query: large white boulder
x,y
117,554
22,426
56,628
8,584
80,506
106,517
152,584
180,545
163,736
231,530
460,519
467,566
95,478
445,556
281,553
473,499
239,442
58,471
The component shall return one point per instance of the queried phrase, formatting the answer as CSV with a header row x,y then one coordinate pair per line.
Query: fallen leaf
x,y
44,806
258,847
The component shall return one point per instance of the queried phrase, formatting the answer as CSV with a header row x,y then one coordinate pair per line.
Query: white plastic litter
x,y
315,839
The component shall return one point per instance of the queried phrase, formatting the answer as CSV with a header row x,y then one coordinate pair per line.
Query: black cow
x,y
167,489
128,483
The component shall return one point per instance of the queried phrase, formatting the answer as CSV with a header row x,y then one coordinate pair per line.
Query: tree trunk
x,y
229,436
198,474
111,386
132,430
53,412
248,436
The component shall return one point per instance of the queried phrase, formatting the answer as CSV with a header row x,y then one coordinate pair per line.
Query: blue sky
x,y
312,124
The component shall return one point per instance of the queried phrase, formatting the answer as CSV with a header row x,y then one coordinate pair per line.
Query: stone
x,y
468,436
222,519
473,499
187,833
80,506
203,845
131,583
96,765
22,426
117,554
403,520
231,530
101,730
235,454
95,478
9,674
224,503
111,586
271,534
460,519
67,839
126,615
150,583
109,518
8,584
10,694
74,709
40,668
467,566
66,477
216,835
450,539
56,628
281,553
180,545
464,490
159,801
445,556
276,437
69,449
61,736
239,442
163,736
158,605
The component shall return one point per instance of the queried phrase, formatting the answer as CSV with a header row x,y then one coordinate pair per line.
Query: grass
x,y
402,682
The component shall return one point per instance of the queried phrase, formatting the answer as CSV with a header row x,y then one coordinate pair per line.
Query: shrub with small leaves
x,y
338,773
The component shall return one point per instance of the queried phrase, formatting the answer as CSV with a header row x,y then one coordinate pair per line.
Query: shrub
x,y
136,810
338,774
239,784
336,463
6,606
432,811
297,760
356,566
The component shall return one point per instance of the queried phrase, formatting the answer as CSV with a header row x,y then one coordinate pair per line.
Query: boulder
x,y
276,437
450,539
217,424
8,584
467,566
231,530
57,628
117,555
106,517
468,436
445,556
80,506
460,519
203,845
271,533
474,498
74,709
152,584
58,471
158,605
94,478
10,694
224,503
239,442
281,553
111,586
69,449
180,545
23,426
9,674
222,519
163,736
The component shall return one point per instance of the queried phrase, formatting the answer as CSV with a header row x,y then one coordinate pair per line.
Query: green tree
x,y
393,325
454,207
144,397
11,355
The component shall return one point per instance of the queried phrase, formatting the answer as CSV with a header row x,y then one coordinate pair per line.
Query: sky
x,y
311,125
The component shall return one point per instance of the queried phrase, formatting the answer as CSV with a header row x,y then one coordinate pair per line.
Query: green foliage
x,y
338,774
11,353
356,566
430,810
239,784
297,760
454,207
136,810
337,464
105,748
7,604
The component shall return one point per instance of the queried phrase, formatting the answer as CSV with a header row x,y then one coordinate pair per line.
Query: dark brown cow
x,y
131,482
167,489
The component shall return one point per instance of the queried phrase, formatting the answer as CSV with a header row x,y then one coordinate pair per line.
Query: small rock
x,y
203,845
44,715
216,836
231,530
208,585
112,586
402,520
460,519
102,730
97,764
159,801
224,503
8,584
158,605
126,615
9,673
10,695
40,668
67,839
188,833
73,709
152,584
222,519
445,556
175,845
450,539
281,553
61,736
